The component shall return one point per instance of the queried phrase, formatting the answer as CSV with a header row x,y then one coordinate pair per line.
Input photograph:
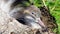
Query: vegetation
x,y
54,7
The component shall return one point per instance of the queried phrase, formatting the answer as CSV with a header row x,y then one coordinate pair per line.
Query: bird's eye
x,y
32,12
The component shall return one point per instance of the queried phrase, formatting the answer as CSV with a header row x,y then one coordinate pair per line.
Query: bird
x,y
29,16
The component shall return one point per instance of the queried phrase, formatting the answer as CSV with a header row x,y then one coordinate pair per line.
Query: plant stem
x,y
44,3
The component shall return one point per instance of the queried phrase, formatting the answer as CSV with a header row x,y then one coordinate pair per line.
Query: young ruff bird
x,y
29,16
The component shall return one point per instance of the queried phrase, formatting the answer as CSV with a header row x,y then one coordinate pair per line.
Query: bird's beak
x,y
38,20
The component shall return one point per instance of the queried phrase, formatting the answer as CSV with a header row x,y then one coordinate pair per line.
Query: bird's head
x,y
33,14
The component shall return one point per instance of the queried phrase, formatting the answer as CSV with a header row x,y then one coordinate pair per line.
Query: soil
x,y
48,19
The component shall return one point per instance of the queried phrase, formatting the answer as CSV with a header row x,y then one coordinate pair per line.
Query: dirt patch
x,y
48,19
